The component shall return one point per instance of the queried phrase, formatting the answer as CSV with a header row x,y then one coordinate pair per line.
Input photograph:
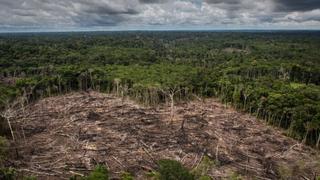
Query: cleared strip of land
x,y
65,135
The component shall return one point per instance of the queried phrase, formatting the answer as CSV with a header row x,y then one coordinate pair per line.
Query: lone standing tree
x,y
171,82
7,114
171,92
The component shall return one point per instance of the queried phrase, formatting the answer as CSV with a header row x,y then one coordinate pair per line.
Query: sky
x,y
82,15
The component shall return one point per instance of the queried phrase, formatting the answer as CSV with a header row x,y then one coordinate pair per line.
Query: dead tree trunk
x,y
22,102
7,114
171,96
217,151
171,92
11,130
117,83
304,141
318,142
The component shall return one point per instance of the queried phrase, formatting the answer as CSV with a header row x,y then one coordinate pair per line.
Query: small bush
x,y
7,174
99,173
173,170
285,172
203,168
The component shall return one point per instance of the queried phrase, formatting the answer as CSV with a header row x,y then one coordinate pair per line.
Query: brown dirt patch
x,y
72,133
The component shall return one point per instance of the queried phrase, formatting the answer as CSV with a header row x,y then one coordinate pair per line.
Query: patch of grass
x,y
284,172
203,168
99,173
173,170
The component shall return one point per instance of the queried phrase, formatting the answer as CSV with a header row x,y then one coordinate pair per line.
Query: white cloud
x,y
61,14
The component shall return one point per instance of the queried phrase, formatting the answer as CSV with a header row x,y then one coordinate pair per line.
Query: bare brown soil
x,y
70,134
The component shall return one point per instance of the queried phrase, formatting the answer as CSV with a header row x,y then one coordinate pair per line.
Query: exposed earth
x,y
61,136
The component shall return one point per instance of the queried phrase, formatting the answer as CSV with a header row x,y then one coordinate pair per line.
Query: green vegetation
x,y
285,172
272,75
203,168
8,173
172,170
99,173
126,176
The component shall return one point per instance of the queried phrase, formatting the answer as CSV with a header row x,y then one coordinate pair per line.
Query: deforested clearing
x,y
61,136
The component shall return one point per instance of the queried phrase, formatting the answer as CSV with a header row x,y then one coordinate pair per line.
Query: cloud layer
x,y
158,14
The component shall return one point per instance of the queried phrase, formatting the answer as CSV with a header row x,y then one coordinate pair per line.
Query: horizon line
x,y
154,30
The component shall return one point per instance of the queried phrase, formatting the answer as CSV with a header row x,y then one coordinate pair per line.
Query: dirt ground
x,y
66,135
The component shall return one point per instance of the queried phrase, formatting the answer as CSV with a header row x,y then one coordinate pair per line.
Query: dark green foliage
x,y
99,173
202,169
7,174
173,170
11,174
30,178
7,94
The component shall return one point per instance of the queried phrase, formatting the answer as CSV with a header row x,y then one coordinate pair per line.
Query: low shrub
x,y
203,168
99,173
173,170
7,174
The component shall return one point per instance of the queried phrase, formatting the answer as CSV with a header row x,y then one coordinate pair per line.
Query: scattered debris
x,y
70,134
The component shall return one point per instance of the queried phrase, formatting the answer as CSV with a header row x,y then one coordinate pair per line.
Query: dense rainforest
x,y
272,75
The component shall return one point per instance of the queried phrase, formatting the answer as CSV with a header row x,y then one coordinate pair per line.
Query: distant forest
x,y
272,75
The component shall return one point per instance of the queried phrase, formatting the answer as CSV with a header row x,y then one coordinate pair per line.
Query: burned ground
x,y
61,136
